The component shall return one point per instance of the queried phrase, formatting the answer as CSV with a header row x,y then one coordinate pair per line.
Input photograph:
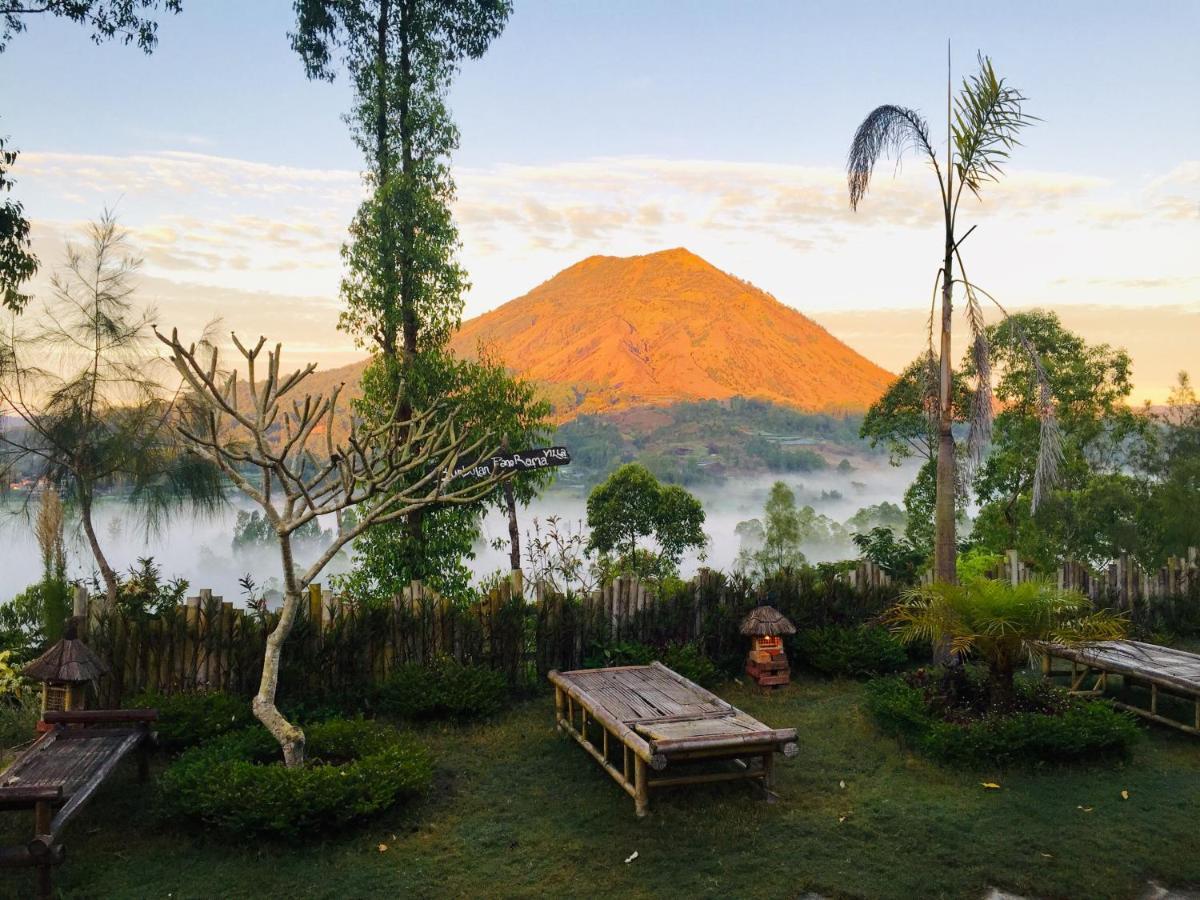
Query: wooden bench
x,y
1161,669
657,718
61,771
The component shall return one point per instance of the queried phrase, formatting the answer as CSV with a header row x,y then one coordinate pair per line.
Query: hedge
x,y
1074,731
853,652
238,784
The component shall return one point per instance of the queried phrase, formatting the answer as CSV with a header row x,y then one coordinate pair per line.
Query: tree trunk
x,y
1002,684
290,737
408,283
106,571
944,544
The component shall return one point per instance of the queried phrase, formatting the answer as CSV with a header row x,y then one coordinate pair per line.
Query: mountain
x,y
612,333
617,333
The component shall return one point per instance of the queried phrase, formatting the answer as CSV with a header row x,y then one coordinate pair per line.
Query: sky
x,y
622,128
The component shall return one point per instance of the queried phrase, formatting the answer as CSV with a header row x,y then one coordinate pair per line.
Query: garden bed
x,y
947,715
238,784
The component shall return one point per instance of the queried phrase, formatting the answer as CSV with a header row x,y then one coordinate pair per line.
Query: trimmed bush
x,y
449,690
238,784
854,652
1051,728
191,718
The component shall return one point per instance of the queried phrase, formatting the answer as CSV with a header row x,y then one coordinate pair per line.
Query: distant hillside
x,y
613,333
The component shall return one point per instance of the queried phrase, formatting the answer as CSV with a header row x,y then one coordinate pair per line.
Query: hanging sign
x,y
521,461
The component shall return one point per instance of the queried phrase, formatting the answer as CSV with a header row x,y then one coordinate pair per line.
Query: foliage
x,y
1047,727
253,529
20,707
17,262
491,406
1167,520
778,458
144,592
101,420
1003,623
449,689
12,683
978,562
236,785
557,556
1091,384
899,557
120,20
850,651
190,718
632,505
878,515
687,659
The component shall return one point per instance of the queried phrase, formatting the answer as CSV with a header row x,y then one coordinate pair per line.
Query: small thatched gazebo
x,y
64,669
767,663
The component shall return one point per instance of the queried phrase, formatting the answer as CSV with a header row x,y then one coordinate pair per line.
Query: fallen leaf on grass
x,y
1048,855
631,857
1084,808
1124,795
842,785
990,785
383,848
841,819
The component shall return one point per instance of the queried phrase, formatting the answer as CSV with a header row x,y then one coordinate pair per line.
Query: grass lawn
x,y
518,811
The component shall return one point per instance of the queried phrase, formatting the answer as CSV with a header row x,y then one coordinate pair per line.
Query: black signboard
x,y
521,461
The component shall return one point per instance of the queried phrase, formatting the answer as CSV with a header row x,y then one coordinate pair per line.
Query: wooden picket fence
x,y
1123,583
208,643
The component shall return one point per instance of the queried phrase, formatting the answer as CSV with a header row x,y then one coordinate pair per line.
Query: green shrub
x,y
838,650
193,717
238,784
448,690
690,662
686,659
1058,729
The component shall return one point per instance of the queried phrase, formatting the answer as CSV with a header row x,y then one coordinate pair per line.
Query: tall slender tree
x,y
983,123
93,414
404,285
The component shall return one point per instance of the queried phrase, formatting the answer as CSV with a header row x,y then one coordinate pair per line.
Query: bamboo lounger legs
x,y
1158,669
629,754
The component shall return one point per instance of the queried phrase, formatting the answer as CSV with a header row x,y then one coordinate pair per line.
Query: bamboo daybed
x,y
651,717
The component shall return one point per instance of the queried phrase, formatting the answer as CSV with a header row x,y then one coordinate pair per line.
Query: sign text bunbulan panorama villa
x,y
521,461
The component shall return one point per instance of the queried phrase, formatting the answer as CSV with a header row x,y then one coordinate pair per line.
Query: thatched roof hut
x,y
766,620
69,661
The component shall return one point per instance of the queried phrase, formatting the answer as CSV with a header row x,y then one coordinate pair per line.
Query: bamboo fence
x,y
337,646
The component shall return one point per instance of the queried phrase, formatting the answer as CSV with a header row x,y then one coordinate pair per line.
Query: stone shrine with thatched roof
x,y
766,663
64,669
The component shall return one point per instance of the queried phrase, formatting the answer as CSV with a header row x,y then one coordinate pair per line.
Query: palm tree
x,y
1002,623
983,123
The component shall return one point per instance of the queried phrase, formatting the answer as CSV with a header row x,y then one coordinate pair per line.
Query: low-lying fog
x,y
200,550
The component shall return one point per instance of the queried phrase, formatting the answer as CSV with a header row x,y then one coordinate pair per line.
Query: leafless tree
x,y
277,445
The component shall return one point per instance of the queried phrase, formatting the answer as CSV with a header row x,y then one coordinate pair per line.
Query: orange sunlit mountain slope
x,y
612,333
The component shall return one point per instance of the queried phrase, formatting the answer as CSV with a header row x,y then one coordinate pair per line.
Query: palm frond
x,y
980,434
988,116
888,131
